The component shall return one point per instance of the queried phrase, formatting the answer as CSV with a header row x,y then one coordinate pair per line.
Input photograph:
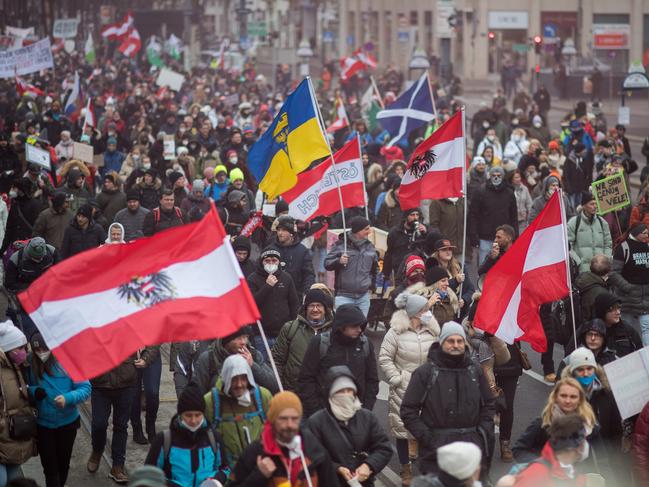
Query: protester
x,y
401,240
111,199
52,222
165,216
296,258
132,217
621,337
83,233
593,283
588,234
459,465
29,263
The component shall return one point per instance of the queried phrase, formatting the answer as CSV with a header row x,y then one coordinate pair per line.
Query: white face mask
x,y
491,138
271,268
516,138
426,318
13,194
538,125
193,429
43,356
146,166
234,160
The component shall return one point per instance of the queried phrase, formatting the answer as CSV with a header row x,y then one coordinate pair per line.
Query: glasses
x,y
615,307
315,306
593,335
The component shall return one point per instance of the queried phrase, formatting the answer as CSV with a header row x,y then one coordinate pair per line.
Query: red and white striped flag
x,y
436,167
366,58
349,66
90,114
23,87
132,44
532,272
316,192
118,30
98,307
342,120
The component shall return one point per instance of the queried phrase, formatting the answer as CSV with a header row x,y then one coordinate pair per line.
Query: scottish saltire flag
x,y
411,110
293,141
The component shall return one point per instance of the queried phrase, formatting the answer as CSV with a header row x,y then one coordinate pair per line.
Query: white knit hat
x,y
581,357
10,336
459,459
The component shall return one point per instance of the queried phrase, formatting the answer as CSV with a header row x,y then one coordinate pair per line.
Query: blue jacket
x,y
57,384
112,162
215,190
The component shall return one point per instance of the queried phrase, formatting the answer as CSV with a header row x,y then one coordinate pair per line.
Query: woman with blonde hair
x,y
413,329
567,397
458,280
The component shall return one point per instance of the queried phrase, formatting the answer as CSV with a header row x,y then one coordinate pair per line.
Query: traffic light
x,y
538,41
491,35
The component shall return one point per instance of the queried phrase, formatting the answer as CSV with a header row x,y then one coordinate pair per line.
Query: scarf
x,y
344,406
294,447
558,413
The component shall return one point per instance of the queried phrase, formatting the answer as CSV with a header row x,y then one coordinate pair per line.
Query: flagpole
x,y
463,197
270,355
378,93
366,196
566,250
333,165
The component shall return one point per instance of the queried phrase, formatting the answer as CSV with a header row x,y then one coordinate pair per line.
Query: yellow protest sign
x,y
611,193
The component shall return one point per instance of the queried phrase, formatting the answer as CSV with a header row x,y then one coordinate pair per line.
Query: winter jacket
x,y
191,459
400,239
191,201
51,226
9,161
288,472
133,223
65,150
158,220
208,368
124,375
390,211
590,286
630,276
277,304
149,195
77,240
22,217
357,277
477,181
576,177
291,345
490,208
594,237
248,266
354,442
110,202
447,218
216,190
641,447
622,339
113,161
77,197
56,383
436,417
523,205
540,201
234,421
357,354
547,472
402,351
21,271
187,354
445,309
298,262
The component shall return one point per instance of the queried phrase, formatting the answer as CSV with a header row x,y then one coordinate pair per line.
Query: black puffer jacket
x,y
158,220
361,440
298,262
277,304
448,400
490,208
76,240
357,354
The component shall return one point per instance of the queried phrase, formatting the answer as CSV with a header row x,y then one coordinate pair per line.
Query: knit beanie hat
x,y
280,402
317,296
638,229
270,251
348,315
191,399
133,195
241,242
10,336
412,303
581,357
342,382
174,176
451,328
219,169
459,459
244,330
497,170
586,197
147,476
280,207
358,223
236,174
435,274
286,222
36,248
198,185
414,262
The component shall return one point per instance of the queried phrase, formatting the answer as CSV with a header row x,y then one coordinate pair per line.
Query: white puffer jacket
x,y
402,351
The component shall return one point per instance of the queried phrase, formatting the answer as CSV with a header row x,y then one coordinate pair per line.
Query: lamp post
x,y
305,53
418,61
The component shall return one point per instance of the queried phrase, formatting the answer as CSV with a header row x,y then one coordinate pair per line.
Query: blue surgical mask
x,y
586,381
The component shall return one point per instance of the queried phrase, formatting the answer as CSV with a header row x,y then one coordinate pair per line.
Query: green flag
x,y
89,50
370,116
153,50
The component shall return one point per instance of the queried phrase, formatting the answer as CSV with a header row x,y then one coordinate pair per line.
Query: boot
x,y
138,435
118,474
406,475
506,451
93,462
150,430
413,450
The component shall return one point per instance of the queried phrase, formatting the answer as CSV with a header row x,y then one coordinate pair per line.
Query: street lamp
x,y
418,60
305,53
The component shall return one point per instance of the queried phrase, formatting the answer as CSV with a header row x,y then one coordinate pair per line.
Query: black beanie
x,y
317,296
435,274
241,242
191,399
281,207
358,223
348,315
586,197
244,330
603,303
133,195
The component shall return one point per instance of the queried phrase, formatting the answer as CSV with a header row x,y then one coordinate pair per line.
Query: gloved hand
x,y
40,394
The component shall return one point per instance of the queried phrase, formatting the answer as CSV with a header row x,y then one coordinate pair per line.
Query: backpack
x,y
156,214
166,448
474,370
578,222
325,344
556,318
239,417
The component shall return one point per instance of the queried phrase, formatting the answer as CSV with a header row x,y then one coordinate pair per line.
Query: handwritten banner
x,y
26,60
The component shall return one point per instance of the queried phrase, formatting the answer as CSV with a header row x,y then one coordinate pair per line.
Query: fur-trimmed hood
x,y
427,291
401,323
391,200
374,173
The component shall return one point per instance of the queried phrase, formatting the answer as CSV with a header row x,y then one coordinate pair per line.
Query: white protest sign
x,y
169,147
83,152
629,380
26,60
37,156
18,32
624,115
170,78
65,28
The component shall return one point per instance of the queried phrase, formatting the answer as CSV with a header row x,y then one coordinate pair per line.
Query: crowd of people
x,y
451,387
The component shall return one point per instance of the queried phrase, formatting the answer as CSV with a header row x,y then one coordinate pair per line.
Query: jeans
x,y
102,401
483,251
363,302
402,451
9,472
320,253
150,377
258,343
55,450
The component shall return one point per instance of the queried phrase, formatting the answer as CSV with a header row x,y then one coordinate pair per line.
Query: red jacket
x,y
546,472
641,447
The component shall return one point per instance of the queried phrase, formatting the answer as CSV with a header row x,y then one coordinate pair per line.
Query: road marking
x,y
537,377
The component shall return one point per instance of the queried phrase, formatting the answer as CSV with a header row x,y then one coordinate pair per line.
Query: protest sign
x,y
10,42
37,156
26,60
19,32
83,152
629,380
231,100
169,147
170,78
65,28
611,193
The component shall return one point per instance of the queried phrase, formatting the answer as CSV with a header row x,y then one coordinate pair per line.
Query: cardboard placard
x,y
25,60
37,156
170,78
65,28
83,152
629,380
169,147
611,193
231,100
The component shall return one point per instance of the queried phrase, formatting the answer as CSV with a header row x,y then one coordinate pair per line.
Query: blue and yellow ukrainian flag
x,y
292,142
